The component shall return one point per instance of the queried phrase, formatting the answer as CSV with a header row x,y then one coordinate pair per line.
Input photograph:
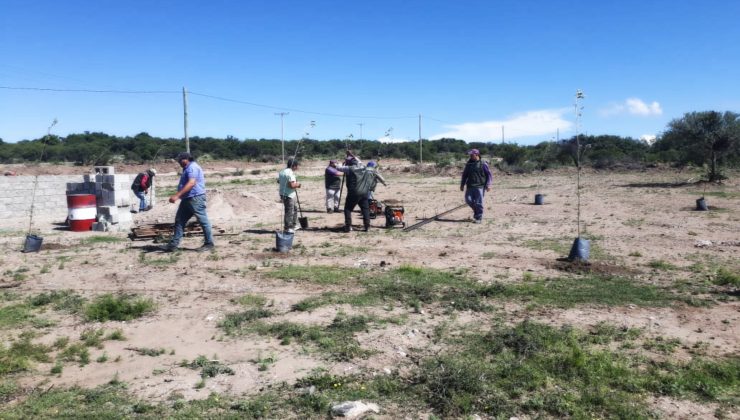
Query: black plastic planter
x,y
701,204
539,199
580,250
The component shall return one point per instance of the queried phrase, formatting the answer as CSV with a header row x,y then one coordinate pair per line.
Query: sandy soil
x,y
633,218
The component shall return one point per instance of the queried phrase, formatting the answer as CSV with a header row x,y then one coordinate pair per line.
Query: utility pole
x,y
282,136
185,117
421,161
502,135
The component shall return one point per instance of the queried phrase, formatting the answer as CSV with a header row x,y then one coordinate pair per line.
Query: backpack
x,y
363,182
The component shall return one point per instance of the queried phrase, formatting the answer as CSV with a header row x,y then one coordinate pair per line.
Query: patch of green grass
x,y
411,286
60,300
336,340
75,353
250,300
538,370
264,363
595,290
559,246
15,315
146,351
661,344
102,239
725,277
723,194
208,368
317,274
18,356
488,255
233,322
116,335
634,222
661,265
109,307
92,337
634,254
170,259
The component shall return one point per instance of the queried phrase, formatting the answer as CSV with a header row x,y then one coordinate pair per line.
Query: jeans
x,y
291,213
332,199
349,205
141,195
474,198
189,207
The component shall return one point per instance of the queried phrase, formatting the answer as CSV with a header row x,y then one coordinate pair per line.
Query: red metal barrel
x,y
82,211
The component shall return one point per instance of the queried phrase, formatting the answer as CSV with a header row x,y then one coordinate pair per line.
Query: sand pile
x,y
229,205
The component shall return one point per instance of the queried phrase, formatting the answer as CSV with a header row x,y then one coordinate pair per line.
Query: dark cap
x,y
333,161
372,164
184,155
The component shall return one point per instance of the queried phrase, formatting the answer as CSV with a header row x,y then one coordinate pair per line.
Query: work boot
x,y
336,209
168,248
366,228
206,247
328,211
348,228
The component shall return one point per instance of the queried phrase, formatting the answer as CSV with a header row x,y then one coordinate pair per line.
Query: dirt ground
x,y
633,219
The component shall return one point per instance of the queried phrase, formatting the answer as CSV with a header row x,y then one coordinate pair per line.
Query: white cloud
x,y
648,138
527,124
633,106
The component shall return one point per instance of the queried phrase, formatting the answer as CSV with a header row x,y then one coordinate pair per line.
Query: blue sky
x,y
467,66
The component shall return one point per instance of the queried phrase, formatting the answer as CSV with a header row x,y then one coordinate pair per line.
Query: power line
x,y
325,114
221,98
134,92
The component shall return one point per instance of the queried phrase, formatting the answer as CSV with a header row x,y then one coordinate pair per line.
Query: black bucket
x,y
701,204
580,250
539,199
283,241
304,222
33,243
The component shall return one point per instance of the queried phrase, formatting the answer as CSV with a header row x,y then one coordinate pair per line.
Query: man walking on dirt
x,y
191,191
289,195
333,185
478,179
141,185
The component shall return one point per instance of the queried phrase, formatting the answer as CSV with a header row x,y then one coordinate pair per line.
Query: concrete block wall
x,y
50,199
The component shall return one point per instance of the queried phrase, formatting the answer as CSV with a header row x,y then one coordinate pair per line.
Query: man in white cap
x,y
140,187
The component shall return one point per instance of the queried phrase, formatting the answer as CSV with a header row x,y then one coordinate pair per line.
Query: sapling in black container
x,y
581,247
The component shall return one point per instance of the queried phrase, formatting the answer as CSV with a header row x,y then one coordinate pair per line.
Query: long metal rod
x,y
185,118
431,219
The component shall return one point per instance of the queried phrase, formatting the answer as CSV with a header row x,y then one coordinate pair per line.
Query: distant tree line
x,y
698,138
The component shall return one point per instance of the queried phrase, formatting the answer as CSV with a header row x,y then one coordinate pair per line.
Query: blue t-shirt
x,y
193,171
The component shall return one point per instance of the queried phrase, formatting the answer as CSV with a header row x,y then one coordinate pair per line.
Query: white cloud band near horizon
x,y
633,106
526,124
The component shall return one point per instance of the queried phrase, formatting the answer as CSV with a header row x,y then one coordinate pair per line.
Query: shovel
x,y
302,220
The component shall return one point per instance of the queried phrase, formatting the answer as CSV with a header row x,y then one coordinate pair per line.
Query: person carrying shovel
x,y
289,195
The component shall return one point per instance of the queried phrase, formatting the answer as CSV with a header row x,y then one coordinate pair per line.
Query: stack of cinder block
x,y
113,196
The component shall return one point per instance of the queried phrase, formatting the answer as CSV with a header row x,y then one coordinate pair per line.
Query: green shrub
x,y
108,307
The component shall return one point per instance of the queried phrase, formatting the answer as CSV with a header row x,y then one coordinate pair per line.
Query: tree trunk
x,y
713,175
